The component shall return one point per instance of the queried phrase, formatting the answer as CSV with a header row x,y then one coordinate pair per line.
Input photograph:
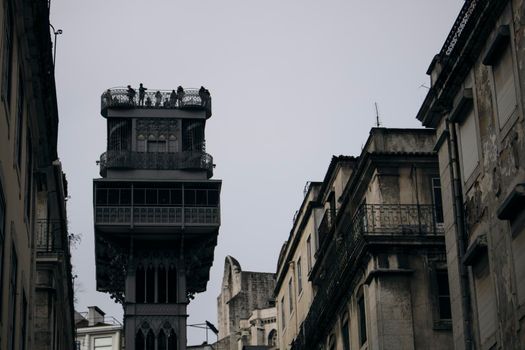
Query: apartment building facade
x,y
36,294
476,104
378,277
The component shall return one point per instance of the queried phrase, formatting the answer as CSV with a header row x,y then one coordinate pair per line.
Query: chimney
x,y
95,316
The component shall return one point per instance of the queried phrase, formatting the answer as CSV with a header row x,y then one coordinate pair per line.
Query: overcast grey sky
x,y
292,82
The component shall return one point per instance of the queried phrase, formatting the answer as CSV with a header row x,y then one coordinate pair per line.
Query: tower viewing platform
x,y
122,98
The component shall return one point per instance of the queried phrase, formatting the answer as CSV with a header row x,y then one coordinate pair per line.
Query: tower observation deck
x,y
156,210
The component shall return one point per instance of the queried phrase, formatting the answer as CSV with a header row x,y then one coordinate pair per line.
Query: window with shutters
x,y
469,144
485,301
504,87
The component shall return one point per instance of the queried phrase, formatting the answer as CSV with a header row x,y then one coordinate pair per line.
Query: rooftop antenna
x,y
378,124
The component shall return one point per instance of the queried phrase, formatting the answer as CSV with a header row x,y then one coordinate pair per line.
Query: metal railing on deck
x,y
393,219
122,215
156,160
123,98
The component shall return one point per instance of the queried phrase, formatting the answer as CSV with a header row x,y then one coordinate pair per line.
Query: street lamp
x,y
56,32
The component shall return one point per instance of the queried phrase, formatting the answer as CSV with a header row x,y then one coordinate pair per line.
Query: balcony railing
x,y
51,236
156,160
395,219
341,259
151,216
122,98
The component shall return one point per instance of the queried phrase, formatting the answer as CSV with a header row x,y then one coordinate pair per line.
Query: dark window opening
x,y
172,340
150,285
151,197
139,341
164,197
189,198
176,197
139,196
172,285
345,332
140,281
201,198
382,261
150,340
161,284
125,196
213,197
445,312
102,196
438,201
362,320
113,197
161,340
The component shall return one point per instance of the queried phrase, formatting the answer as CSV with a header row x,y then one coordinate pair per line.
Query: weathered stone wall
x,y
242,292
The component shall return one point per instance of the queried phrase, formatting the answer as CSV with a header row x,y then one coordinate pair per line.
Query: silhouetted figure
x,y
173,99
180,95
166,103
202,95
107,97
131,95
206,98
158,99
142,94
148,102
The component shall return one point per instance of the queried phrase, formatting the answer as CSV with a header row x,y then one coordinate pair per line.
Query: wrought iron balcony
x,y
157,216
122,98
395,219
51,237
156,160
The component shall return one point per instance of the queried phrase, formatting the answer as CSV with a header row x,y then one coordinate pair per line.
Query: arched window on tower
x,y
150,340
150,284
140,281
161,284
161,340
139,341
172,339
172,284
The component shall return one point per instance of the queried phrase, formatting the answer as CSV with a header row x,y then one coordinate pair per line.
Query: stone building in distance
x,y
476,104
365,266
246,310
36,288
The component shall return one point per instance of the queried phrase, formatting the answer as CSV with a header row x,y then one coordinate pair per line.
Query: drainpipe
x,y
459,223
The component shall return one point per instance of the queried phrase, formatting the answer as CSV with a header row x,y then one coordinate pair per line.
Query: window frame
x,y
299,277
